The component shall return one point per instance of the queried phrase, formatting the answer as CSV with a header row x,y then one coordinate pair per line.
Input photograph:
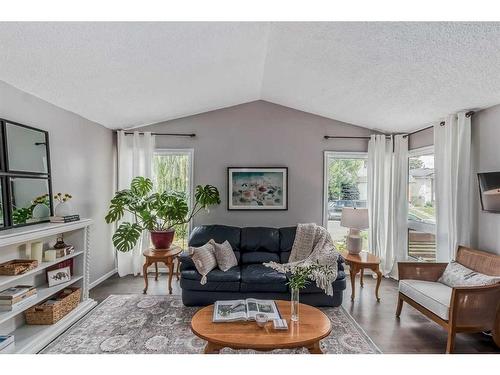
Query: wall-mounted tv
x,y
489,190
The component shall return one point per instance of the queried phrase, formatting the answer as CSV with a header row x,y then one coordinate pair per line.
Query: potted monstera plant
x,y
158,213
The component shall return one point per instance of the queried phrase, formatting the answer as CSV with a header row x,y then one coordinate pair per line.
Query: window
x,y
173,171
422,203
346,181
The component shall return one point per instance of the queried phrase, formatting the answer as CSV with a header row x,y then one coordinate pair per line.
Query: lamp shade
x,y
355,218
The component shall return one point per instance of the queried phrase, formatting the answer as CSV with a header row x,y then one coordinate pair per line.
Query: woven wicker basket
x,y
44,314
17,266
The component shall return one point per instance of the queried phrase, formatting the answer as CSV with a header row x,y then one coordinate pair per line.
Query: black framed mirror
x,y
25,180
26,149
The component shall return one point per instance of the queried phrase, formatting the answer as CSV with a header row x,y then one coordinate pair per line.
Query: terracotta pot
x,y
162,239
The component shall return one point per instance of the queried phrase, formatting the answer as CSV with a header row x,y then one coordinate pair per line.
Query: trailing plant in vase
x,y
158,213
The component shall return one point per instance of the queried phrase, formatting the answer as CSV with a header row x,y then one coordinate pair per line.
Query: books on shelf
x,y
64,219
244,310
16,296
6,343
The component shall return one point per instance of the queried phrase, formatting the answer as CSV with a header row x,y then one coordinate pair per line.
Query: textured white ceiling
x,y
385,76
128,74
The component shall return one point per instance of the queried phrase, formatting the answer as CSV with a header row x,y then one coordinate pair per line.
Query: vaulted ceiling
x,y
384,75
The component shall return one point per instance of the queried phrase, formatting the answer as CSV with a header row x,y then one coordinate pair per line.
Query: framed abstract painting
x,y
257,188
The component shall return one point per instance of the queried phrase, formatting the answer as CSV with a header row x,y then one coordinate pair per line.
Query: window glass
x,y
172,172
421,208
347,187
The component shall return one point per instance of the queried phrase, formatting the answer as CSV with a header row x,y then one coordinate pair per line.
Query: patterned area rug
x,y
161,324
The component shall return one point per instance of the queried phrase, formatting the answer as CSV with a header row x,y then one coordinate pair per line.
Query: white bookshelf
x,y
33,338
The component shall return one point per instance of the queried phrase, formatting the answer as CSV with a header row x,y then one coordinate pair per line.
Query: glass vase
x,y
294,316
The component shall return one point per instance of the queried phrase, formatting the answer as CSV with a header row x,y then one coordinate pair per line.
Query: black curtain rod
x,y
467,114
348,137
442,123
191,135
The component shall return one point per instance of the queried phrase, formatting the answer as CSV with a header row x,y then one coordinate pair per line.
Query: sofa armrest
x,y
186,262
420,270
475,307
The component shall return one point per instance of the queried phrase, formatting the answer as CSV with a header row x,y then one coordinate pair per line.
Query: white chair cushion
x,y
433,296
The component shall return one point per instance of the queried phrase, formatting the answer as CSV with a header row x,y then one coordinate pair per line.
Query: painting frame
x,y
53,278
283,171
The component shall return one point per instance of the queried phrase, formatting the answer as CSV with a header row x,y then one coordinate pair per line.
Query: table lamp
x,y
355,219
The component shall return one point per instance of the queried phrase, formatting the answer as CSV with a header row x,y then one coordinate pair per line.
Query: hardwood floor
x,y
412,333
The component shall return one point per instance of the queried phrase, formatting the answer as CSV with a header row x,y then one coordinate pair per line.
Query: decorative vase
x,y
294,316
40,211
162,239
63,209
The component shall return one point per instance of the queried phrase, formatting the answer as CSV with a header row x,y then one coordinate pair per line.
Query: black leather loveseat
x,y
252,246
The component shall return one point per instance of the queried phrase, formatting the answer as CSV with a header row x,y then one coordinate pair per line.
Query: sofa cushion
x,y
259,278
219,233
261,240
217,280
232,274
287,237
259,257
312,288
434,296
456,275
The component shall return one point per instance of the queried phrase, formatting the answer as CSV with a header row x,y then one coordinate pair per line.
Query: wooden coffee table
x,y
167,256
313,325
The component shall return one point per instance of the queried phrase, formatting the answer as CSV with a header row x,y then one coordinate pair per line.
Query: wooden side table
x,y
359,262
153,256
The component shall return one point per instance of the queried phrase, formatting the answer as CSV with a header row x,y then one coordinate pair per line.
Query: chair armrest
x,y
475,307
186,262
420,270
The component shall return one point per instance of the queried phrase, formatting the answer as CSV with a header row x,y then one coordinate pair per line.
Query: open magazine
x,y
244,309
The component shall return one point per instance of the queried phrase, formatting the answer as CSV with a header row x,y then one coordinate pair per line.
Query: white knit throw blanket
x,y
312,245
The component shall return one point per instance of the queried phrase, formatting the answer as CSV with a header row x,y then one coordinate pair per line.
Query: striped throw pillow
x,y
204,260
224,254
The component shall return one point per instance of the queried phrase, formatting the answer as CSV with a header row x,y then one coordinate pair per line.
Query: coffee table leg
x,y
315,348
212,348
361,278
156,271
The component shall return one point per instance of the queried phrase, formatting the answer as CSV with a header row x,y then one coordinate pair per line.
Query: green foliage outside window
x,y
171,173
343,178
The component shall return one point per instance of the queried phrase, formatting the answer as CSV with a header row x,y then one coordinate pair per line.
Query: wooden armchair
x,y
470,309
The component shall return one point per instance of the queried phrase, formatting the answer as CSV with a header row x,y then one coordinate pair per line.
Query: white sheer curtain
x,y
452,165
135,154
387,203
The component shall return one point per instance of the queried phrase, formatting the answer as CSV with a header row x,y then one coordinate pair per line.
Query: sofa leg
x,y
451,342
400,306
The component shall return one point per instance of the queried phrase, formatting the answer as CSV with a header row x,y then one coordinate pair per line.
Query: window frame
x,y
416,152
182,151
335,155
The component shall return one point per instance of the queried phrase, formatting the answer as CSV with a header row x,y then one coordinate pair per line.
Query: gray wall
x,y
421,139
262,134
82,158
486,158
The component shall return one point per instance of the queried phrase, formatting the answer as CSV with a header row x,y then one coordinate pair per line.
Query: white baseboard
x,y
103,278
